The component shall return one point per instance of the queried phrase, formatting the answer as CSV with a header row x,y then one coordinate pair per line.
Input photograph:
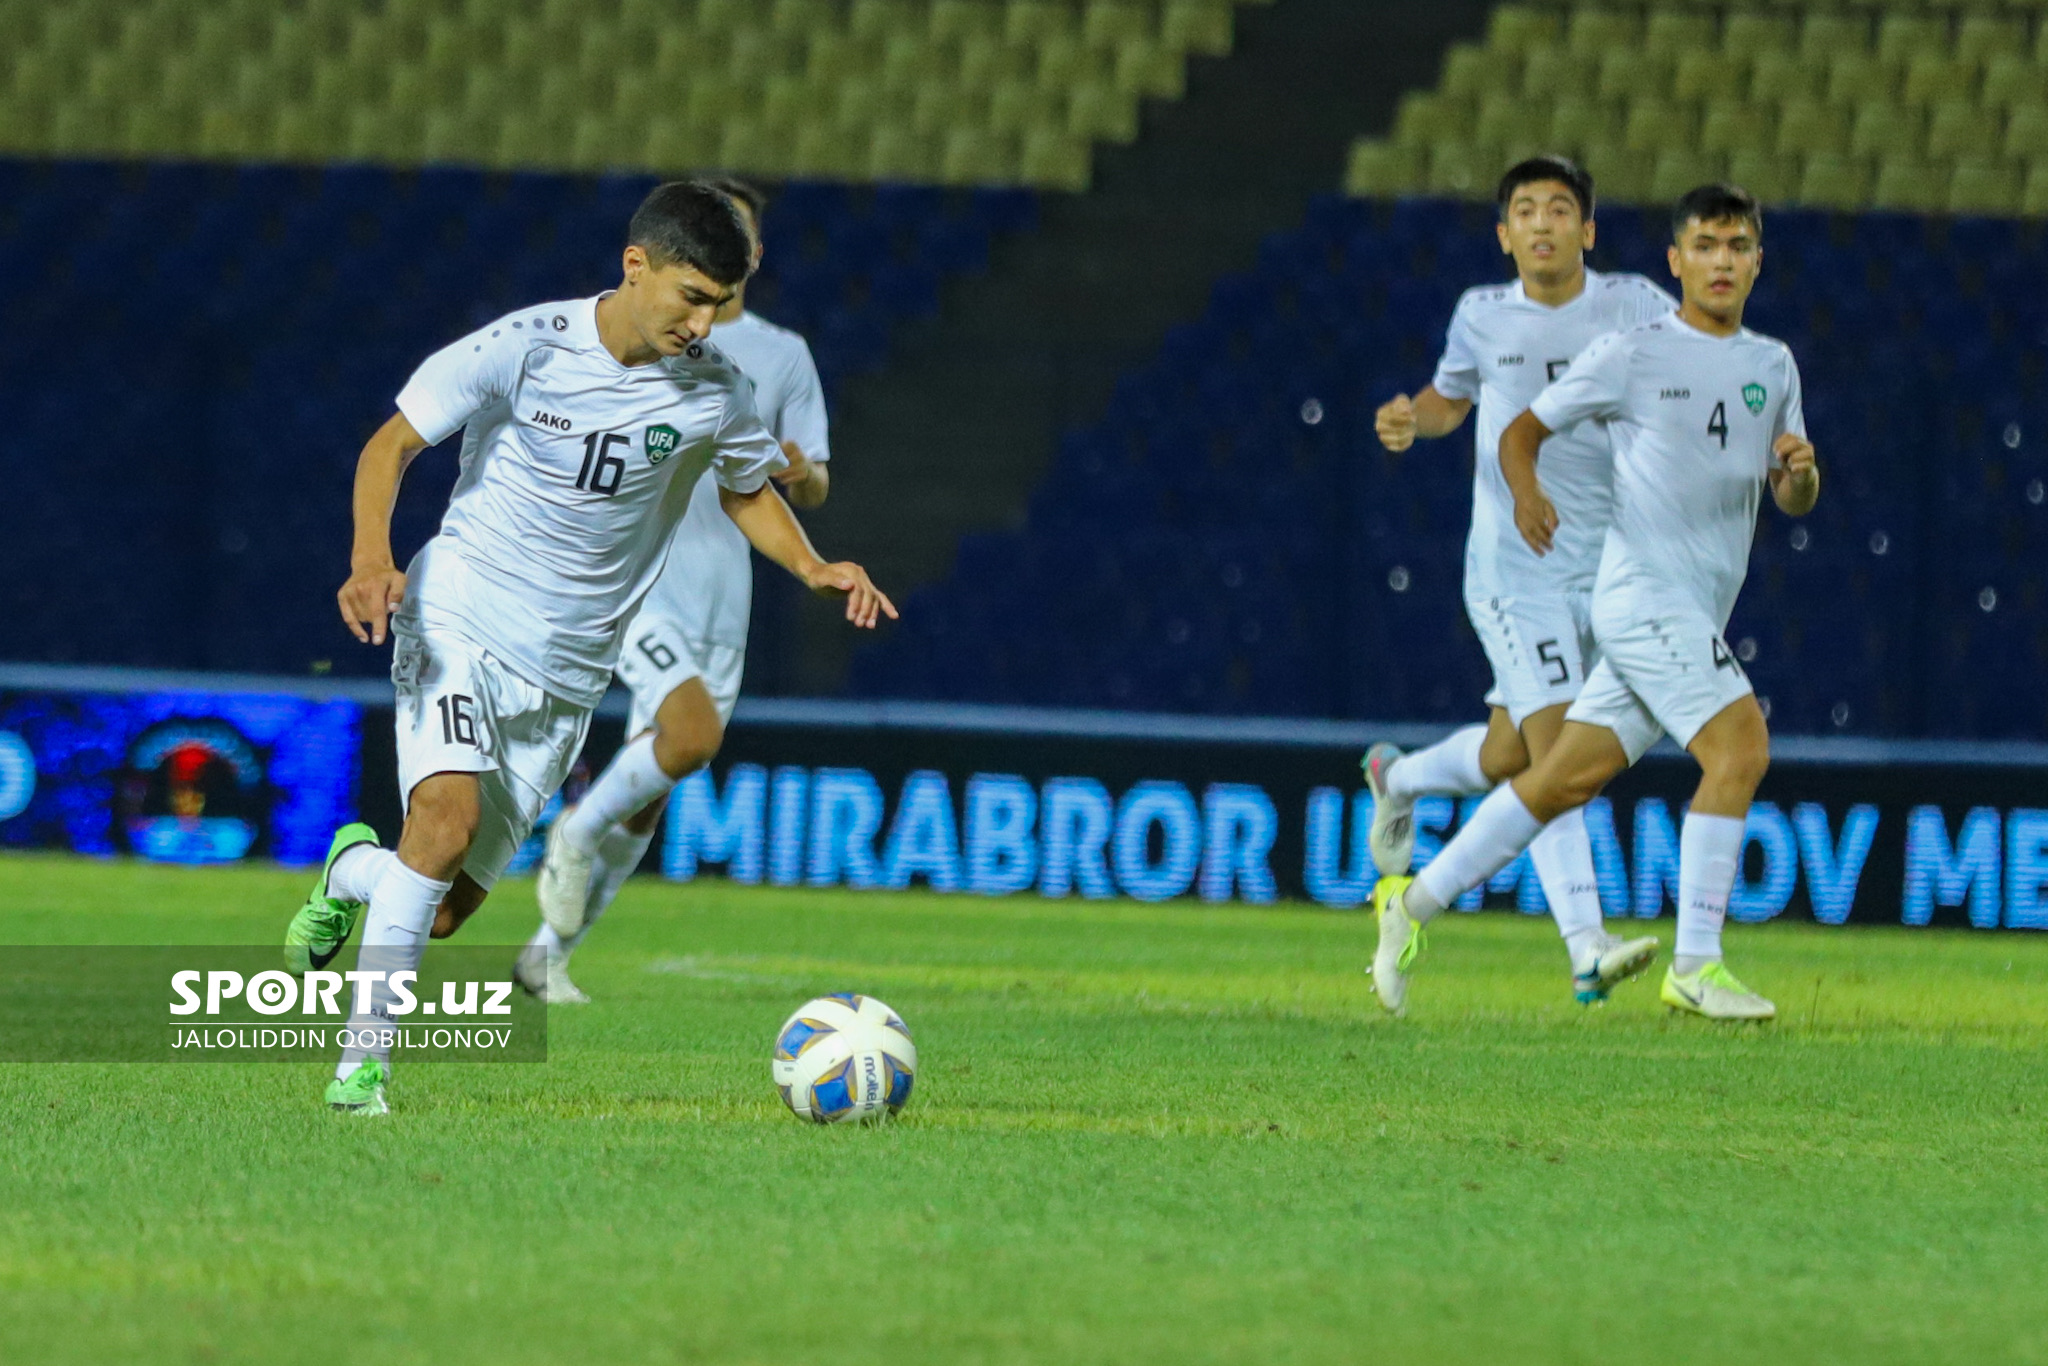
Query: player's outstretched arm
x,y
1428,415
771,528
375,586
1535,517
806,481
1795,483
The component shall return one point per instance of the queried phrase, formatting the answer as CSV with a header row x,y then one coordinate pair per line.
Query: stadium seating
x,y
1232,538
192,356
1930,106
986,92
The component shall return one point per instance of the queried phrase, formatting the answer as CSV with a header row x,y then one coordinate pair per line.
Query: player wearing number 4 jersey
x,y
1703,415
683,652
586,426
1531,611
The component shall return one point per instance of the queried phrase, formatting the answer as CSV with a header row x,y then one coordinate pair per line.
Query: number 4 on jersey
x,y
1717,425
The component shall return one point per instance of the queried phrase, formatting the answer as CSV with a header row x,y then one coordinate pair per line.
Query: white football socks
x,y
1499,830
1450,765
395,928
618,858
1709,856
630,783
356,873
1564,863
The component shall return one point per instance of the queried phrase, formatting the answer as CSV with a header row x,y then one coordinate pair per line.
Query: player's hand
x,y
1395,423
1795,455
800,466
367,601
865,603
1536,519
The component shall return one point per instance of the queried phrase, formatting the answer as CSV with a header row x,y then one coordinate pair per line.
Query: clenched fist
x,y
1395,423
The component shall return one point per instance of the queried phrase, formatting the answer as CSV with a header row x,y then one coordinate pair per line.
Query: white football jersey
x,y
1692,418
707,588
1503,348
575,470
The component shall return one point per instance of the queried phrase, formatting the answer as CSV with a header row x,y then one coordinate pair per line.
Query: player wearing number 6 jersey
x,y
1531,611
684,650
1703,414
586,426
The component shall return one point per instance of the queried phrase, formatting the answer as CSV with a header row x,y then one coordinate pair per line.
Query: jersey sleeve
x,y
1457,373
1791,416
461,380
1592,390
744,450
1652,303
802,418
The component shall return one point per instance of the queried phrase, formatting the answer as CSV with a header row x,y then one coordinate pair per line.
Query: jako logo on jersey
x,y
560,424
1509,360
1674,393
1753,395
661,441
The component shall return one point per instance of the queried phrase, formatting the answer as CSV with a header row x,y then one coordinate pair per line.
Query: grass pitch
x,y
1141,1134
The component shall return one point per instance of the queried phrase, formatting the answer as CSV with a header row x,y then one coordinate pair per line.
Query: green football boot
x,y
323,924
362,1091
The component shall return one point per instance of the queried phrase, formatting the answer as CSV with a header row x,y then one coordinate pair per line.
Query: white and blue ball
x,y
844,1058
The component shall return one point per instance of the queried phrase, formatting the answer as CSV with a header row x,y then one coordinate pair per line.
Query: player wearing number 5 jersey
x,y
1704,415
586,425
684,650
1531,612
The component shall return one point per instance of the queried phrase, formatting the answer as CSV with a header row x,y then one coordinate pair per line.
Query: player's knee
x,y
443,817
1742,762
682,750
1500,762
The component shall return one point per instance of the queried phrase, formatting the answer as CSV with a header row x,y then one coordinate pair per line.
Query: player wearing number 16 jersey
x,y
683,653
1506,342
586,425
1704,415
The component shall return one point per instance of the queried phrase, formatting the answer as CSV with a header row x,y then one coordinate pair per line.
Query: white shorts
x,y
461,711
656,658
1541,648
1659,672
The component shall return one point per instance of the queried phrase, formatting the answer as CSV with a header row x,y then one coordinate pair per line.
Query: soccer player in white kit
x,y
586,424
683,652
1531,612
1703,415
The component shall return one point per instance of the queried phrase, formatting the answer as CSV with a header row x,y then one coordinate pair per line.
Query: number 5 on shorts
x,y
1553,658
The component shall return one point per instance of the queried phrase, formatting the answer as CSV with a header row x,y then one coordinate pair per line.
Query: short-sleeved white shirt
x,y
1502,349
707,588
1692,418
575,470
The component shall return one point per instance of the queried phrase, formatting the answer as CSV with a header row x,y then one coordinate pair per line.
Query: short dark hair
x,y
1716,204
695,225
1548,167
744,193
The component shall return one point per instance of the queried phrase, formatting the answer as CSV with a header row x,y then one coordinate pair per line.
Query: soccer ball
x,y
844,1058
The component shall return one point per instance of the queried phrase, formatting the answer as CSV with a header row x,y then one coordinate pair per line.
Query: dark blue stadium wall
x,y
1231,538
191,358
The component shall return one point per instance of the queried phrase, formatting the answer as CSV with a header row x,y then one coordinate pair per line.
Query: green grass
x,y
1141,1134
